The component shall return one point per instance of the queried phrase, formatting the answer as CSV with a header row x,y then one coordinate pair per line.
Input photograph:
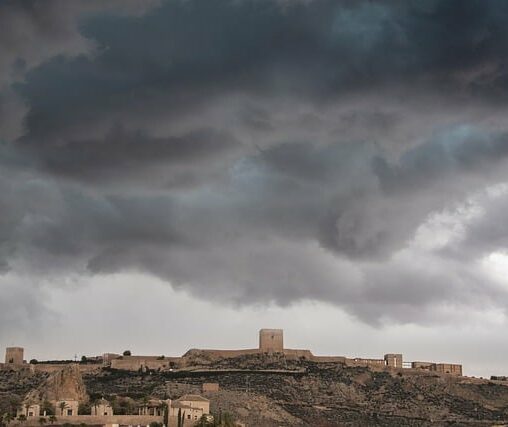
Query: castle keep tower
x,y
14,355
393,360
271,341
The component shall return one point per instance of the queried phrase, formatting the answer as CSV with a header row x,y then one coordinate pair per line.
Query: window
x,y
188,417
30,414
105,413
69,412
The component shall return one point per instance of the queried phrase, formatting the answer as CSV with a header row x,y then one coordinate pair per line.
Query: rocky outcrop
x,y
65,384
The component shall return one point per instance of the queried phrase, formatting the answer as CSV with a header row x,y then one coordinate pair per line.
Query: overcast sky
x,y
181,173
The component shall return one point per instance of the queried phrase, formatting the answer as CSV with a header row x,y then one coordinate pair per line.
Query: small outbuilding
x,y
102,408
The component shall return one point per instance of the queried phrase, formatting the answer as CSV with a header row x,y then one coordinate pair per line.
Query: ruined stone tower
x,y
14,355
271,341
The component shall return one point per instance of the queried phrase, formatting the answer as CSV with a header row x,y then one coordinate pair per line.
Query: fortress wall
x,y
297,354
329,359
12,367
448,368
365,362
421,365
134,363
228,353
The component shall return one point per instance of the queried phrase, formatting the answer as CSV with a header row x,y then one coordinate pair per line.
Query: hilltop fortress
x,y
271,342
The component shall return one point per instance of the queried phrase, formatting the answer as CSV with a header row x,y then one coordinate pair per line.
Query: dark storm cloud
x,y
254,151
138,157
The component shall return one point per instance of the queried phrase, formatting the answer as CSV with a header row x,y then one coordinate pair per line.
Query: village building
x,y
153,407
66,408
29,410
191,406
102,408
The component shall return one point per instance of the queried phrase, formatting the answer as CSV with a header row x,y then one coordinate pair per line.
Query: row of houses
x,y
190,406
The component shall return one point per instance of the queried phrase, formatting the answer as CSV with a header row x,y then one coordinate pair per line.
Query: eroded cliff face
x,y
66,384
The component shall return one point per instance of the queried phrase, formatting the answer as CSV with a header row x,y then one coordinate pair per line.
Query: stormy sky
x,y
181,173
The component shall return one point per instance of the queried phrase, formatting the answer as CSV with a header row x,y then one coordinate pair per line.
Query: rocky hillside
x,y
261,390
266,391
14,385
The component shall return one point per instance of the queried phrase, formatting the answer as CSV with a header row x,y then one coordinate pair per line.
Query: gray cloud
x,y
256,152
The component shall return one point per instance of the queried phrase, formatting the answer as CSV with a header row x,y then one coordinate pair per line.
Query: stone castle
x,y
271,342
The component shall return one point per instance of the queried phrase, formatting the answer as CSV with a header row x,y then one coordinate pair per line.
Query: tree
x,y
165,413
224,419
83,359
47,408
228,420
127,353
84,409
53,419
62,406
181,417
10,404
7,418
42,421
203,422
122,406
22,418
34,361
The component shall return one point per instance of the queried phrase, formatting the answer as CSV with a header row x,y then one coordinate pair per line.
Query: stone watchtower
x,y
14,355
393,360
271,341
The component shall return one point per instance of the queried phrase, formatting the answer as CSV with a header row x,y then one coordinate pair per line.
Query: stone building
x,y
29,410
271,341
441,368
153,407
421,365
14,355
191,406
393,360
66,408
447,368
102,408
